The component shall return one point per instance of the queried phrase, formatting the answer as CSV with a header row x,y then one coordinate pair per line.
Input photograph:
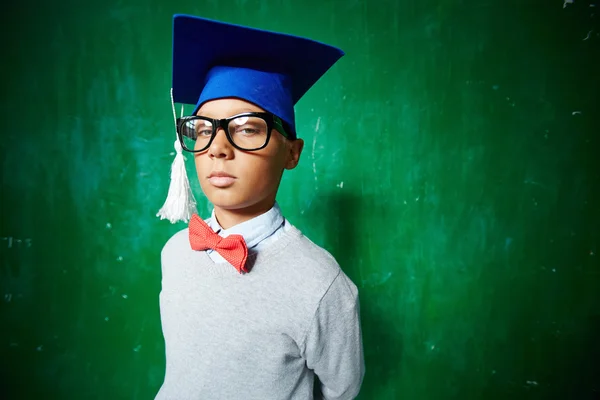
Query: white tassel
x,y
180,204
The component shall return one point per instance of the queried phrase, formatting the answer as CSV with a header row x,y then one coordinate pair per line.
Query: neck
x,y
228,218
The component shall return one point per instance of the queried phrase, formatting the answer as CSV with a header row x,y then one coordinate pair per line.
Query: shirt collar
x,y
254,230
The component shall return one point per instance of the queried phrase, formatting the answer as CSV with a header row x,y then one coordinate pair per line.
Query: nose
x,y
220,146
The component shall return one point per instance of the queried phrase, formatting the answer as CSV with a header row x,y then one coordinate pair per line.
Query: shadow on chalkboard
x,y
345,212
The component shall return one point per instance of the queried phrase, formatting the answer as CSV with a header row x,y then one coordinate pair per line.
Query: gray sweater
x,y
261,335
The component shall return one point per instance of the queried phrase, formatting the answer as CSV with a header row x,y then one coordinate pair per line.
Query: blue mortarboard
x,y
213,60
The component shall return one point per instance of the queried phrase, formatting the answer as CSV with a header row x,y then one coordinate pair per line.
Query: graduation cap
x,y
214,59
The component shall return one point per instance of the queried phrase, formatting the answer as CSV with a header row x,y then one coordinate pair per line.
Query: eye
x,y
203,128
247,130
248,126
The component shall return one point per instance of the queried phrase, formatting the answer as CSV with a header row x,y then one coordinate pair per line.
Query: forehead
x,y
223,108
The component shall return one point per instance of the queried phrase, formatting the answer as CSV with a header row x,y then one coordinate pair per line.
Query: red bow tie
x,y
232,248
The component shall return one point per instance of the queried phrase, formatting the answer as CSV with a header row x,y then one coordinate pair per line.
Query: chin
x,y
224,201
227,201
239,197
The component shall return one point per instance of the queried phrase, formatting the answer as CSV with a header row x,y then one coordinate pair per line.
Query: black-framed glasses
x,y
247,131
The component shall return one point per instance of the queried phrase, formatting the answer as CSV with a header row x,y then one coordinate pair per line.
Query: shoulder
x,y
176,244
310,266
310,249
309,256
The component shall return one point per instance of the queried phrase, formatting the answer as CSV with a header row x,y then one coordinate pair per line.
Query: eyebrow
x,y
239,111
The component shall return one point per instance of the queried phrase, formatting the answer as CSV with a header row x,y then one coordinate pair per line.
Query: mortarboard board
x,y
213,60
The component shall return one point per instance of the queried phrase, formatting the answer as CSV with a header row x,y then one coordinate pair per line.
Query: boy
x,y
250,308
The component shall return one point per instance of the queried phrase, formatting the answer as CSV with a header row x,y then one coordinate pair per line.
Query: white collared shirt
x,y
258,232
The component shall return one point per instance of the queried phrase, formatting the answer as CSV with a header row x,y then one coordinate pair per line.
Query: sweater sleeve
x,y
333,344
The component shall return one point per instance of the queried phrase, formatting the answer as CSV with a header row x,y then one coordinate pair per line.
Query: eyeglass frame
x,y
273,122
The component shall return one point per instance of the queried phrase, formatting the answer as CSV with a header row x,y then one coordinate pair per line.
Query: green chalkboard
x,y
451,166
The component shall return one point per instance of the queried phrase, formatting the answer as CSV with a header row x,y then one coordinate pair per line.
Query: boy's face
x,y
251,178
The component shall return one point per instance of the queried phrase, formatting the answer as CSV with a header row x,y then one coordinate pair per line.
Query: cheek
x,y
204,166
201,163
262,170
274,162
261,174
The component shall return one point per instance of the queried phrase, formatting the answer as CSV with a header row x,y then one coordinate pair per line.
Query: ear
x,y
295,149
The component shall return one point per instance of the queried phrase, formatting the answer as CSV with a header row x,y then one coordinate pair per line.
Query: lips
x,y
221,179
